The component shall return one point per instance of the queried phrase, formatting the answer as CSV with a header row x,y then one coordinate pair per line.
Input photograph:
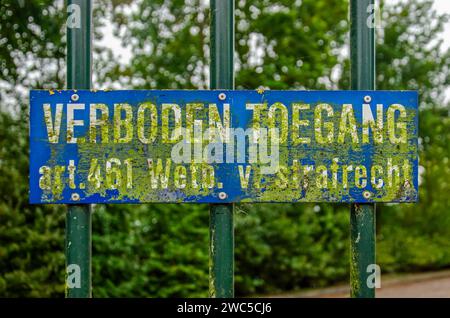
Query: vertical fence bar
x,y
362,216
78,219
221,229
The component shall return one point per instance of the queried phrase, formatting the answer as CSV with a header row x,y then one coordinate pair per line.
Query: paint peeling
x,y
119,147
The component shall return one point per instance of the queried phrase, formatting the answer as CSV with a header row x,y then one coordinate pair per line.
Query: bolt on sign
x,y
223,146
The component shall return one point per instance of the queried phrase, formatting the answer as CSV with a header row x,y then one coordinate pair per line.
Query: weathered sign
x,y
223,146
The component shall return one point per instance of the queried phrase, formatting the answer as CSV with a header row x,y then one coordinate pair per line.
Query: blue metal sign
x,y
223,146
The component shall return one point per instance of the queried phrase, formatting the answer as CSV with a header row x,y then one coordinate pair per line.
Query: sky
x,y
444,6
441,6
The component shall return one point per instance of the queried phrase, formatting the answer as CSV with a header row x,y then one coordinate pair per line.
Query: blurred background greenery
x,y
161,250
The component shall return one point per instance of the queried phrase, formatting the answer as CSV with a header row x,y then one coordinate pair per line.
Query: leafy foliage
x,y
162,249
32,237
158,250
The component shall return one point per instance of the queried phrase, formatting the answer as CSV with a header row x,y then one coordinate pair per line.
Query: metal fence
x,y
362,227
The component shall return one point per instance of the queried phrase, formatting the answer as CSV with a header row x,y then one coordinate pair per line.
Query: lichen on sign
x,y
223,146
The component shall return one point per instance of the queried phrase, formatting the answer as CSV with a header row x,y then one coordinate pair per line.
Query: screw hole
x,y
222,195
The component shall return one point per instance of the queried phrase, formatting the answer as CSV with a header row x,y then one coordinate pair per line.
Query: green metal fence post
x,y
78,219
221,229
362,216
